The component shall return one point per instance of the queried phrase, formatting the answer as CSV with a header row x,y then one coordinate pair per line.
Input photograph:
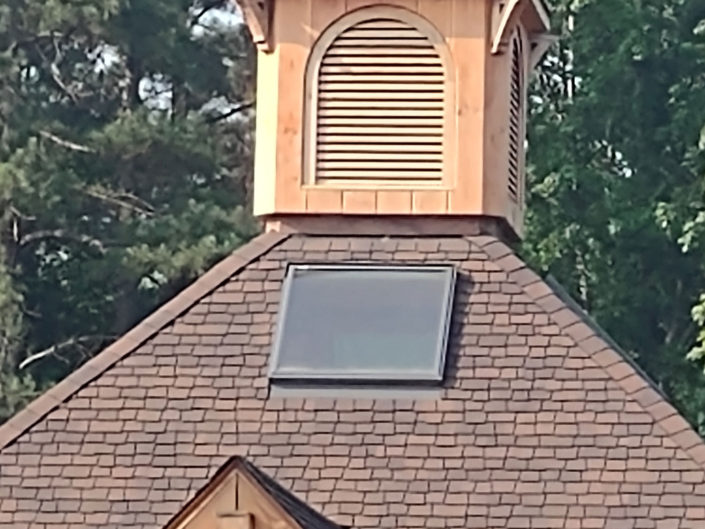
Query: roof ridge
x,y
137,335
609,358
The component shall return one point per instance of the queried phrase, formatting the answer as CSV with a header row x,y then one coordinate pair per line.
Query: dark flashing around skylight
x,y
363,324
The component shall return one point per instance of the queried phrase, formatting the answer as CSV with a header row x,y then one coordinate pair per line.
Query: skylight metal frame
x,y
276,374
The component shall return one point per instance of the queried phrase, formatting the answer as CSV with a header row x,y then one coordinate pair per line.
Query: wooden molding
x,y
504,15
539,46
406,225
542,13
258,17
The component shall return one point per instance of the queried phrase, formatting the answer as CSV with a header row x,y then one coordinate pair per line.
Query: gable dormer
x,y
411,108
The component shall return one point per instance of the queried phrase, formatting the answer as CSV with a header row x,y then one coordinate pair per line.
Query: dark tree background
x,y
125,136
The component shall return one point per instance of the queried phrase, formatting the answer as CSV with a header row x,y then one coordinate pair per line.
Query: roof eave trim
x,y
506,17
258,17
138,335
540,44
542,13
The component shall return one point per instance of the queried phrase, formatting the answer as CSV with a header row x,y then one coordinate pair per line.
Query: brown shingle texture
x,y
539,425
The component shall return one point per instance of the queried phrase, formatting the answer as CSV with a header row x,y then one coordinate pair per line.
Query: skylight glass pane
x,y
363,322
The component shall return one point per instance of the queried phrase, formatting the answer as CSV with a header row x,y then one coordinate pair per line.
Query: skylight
x,y
363,323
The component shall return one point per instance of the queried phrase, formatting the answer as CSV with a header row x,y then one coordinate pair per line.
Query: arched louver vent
x,y
516,117
380,107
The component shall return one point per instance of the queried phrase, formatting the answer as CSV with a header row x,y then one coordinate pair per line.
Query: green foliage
x,y
125,133
616,208
15,390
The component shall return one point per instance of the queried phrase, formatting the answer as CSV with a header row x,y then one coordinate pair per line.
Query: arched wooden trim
x,y
318,51
507,13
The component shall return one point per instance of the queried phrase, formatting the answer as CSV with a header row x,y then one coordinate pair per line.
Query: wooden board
x,y
293,42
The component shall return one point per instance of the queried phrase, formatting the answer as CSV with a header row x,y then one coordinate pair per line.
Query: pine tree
x,y
125,133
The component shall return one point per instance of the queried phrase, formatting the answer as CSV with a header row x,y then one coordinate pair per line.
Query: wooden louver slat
x,y
380,107
516,110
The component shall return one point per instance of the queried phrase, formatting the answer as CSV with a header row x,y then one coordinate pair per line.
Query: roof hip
x,y
141,332
571,319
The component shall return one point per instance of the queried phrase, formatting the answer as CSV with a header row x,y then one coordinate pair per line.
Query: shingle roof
x,y
540,423
136,336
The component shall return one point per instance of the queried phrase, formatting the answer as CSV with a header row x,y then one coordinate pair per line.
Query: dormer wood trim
x,y
250,505
258,17
505,15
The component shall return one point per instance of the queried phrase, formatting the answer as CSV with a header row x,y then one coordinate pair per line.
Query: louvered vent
x,y
380,107
516,111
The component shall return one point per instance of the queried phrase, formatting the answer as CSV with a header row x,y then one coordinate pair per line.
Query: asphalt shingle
x,y
540,424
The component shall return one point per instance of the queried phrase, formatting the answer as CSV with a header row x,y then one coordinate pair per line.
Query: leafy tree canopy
x,y
616,208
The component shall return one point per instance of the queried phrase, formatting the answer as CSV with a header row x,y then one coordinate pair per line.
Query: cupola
x,y
411,109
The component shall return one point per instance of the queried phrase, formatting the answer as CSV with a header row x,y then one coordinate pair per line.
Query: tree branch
x,y
207,6
122,199
53,68
17,213
246,105
65,143
61,234
35,39
54,349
